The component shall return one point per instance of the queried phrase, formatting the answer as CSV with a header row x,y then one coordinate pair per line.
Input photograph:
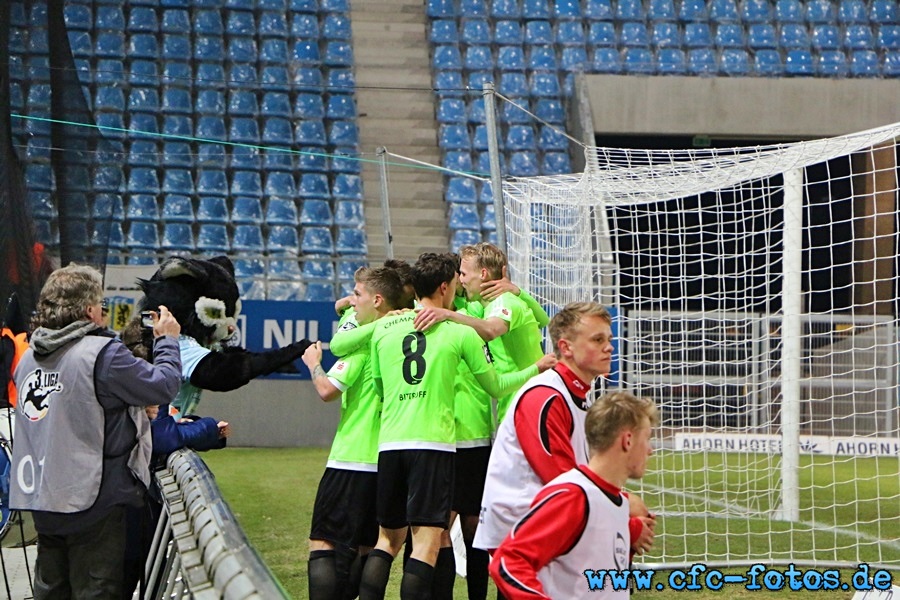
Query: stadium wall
x,y
740,107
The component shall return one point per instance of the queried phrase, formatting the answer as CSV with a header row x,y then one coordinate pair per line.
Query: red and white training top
x,y
577,522
541,437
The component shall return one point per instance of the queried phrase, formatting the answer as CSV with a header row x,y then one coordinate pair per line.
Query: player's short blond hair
x,y
487,256
68,292
564,323
613,413
383,281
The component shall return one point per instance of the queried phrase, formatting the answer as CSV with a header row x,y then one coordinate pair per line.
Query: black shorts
x,y
344,511
471,471
415,487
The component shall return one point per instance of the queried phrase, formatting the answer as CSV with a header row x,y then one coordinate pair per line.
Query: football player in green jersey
x,y
343,522
508,325
416,371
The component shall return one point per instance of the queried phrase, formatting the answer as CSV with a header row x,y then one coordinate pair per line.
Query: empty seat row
x,y
523,163
517,137
145,180
749,11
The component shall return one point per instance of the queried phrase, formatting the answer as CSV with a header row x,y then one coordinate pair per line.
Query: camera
x,y
147,319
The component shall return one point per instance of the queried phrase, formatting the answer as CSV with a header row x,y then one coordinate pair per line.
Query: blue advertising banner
x,y
264,325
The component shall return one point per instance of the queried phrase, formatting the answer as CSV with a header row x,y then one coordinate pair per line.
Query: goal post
x,y
755,299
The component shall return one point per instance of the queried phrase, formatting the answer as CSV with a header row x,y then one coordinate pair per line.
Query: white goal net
x,y
755,293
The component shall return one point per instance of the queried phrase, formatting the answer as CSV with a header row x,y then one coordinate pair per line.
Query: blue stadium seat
x,y
246,158
212,209
505,9
545,85
313,185
210,155
42,207
606,60
549,110
308,80
476,32
888,37
143,234
142,45
730,35
309,106
570,33
343,133
826,37
304,26
310,133
702,61
538,9
482,164
472,9
463,237
634,35
454,137
864,63
108,71
574,58
280,184
444,31
734,62
891,64
884,12
520,137
477,79
207,22
554,163
338,54
274,52
723,11
143,153
639,61
77,16
671,61
317,240
598,9
768,63
212,182
106,206
141,99
274,24
277,132
762,36
240,23
248,267
176,47
351,240
463,216
281,211
283,268
508,32
246,183
457,161
478,58
178,181
345,160
858,37
446,57
693,11
308,159
448,83
542,58
510,58
538,32
283,239
177,237
756,11
242,50
341,6
108,45
285,291
319,292
142,180
211,128
347,187
242,103
661,10
798,62
109,18
176,100
105,99
243,76
306,53
208,75
630,10
143,123
794,37
318,269
552,140
461,190
347,267
602,34
246,210
513,85
108,178
440,8
213,239
247,238
853,12
820,12
789,11
832,63
108,234
315,211
523,164
666,35
312,6
176,20
451,110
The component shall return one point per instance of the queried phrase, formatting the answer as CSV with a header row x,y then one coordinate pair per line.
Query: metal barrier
x,y
199,550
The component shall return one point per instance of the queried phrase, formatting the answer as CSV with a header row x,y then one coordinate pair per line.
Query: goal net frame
x,y
780,418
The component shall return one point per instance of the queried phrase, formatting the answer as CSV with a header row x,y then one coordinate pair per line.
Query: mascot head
x,y
201,294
